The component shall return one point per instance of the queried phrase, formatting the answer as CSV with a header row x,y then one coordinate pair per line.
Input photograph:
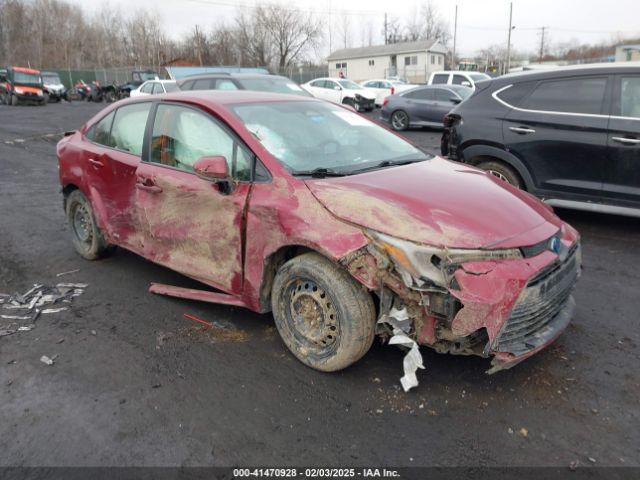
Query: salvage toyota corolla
x,y
339,227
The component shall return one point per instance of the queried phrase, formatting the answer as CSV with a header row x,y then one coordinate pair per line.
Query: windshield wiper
x,y
388,163
318,173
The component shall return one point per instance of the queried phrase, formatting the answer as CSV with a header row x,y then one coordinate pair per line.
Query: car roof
x,y
569,71
227,75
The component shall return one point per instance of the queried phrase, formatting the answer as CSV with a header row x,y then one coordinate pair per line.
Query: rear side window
x,y
187,86
630,97
440,78
157,88
577,95
422,94
516,93
182,135
101,132
127,133
147,87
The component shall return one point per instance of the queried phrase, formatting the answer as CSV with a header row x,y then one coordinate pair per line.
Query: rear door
x,y
189,224
559,131
420,104
622,177
112,156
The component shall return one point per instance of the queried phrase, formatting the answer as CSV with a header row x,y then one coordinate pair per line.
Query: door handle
x,y
96,163
626,141
522,130
149,188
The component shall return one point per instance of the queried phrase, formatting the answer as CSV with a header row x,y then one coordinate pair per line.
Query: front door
x,y
189,224
560,133
622,178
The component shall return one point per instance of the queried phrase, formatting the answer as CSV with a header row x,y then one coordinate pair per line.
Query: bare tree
x,y
291,32
344,29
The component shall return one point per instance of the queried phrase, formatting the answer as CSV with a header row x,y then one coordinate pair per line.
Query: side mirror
x,y
466,84
337,87
455,100
213,169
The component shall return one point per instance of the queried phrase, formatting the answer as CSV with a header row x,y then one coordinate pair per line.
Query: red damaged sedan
x,y
339,227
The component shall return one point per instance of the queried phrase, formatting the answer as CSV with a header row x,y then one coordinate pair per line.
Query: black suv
x,y
570,135
242,81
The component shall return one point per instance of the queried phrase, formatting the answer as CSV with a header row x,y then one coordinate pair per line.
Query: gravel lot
x,y
135,383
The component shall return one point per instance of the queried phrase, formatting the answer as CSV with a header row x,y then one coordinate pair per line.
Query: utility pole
x,y
509,39
542,29
455,37
385,30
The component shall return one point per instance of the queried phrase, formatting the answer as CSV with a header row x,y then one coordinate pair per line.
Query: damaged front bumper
x,y
507,307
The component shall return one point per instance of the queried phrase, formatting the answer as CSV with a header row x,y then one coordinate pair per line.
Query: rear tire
x,y
399,120
325,318
503,172
86,236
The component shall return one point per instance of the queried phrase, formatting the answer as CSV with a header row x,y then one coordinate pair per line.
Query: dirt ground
x,y
136,383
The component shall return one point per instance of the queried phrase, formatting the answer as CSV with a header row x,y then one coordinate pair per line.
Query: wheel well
x,y
478,159
271,265
66,191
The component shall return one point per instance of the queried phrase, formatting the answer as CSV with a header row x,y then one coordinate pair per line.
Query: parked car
x,y
53,86
343,91
568,135
422,106
259,82
455,77
155,87
383,88
309,210
22,85
138,77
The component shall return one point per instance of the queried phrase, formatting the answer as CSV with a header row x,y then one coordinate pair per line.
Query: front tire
x,y
399,120
325,318
86,236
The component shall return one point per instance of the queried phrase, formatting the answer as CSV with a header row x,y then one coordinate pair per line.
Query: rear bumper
x,y
365,103
29,97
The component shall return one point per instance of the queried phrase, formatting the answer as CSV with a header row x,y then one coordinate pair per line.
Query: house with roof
x,y
627,53
413,61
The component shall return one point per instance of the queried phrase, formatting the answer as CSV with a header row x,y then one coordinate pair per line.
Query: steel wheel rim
x,y
399,120
312,316
82,225
495,173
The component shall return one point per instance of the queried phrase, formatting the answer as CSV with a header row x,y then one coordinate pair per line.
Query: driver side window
x,y
182,135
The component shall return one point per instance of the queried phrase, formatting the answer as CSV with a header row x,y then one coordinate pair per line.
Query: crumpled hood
x,y
365,94
440,203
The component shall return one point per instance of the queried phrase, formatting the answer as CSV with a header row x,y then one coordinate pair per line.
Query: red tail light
x,y
450,119
393,90
385,101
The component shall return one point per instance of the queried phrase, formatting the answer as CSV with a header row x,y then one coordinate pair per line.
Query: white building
x,y
414,61
627,53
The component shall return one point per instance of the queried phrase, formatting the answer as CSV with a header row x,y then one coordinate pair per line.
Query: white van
x,y
457,77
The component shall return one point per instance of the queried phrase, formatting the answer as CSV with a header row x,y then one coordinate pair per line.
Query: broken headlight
x,y
423,263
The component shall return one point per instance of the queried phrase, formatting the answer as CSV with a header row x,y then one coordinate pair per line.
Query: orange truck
x,y
18,84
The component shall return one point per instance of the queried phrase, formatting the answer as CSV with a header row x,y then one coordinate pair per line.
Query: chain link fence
x,y
120,75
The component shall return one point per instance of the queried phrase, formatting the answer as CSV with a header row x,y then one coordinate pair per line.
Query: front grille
x,y
540,301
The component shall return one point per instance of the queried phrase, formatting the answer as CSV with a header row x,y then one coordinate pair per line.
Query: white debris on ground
x,y
398,319
18,312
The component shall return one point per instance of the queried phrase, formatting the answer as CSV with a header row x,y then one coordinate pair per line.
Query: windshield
x,y
171,87
273,84
464,92
349,85
306,136
26,78
51,79
478,77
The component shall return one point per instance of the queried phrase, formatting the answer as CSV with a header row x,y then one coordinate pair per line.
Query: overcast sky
x,y
480,22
